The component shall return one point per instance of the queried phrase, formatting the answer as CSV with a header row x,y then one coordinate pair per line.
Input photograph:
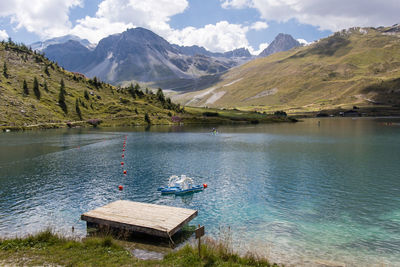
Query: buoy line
x,y
120,187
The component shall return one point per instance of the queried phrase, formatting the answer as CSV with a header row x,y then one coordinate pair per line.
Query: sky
x,y
217,25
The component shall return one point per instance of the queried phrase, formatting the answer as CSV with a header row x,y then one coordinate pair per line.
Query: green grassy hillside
x,y
359,66
87,101
21,107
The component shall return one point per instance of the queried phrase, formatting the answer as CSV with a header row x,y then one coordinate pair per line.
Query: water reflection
x,y
302,191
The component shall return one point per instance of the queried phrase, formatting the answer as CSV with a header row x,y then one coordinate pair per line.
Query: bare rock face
x,y
282,42
141,55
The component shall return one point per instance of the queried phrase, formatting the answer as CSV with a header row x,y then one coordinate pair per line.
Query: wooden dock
x,y
156,220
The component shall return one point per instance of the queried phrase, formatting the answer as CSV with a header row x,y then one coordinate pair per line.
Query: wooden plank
x,y
158,220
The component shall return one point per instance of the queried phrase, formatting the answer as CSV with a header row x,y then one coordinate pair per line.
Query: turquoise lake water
x,y
301,194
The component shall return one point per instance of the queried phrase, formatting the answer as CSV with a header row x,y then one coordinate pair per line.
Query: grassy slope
x,y
48,249
113,106
349,68
107,103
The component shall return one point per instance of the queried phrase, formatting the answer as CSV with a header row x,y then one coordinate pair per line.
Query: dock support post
x,y
199,245
199,233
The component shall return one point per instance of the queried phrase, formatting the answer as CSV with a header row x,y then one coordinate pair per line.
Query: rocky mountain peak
x,y
282,42
239,52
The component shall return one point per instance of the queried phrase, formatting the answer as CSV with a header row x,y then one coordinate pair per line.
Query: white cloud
x,y
139,12
47,18
261,48
3,35
331,15
155,15
303,42
115,16
219,37
50,18
94,29
259,25
235,3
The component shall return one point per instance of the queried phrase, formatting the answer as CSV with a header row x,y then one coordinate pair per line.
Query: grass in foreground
x,y
46,248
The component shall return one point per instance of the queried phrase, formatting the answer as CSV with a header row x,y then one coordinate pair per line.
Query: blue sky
x,y
218,25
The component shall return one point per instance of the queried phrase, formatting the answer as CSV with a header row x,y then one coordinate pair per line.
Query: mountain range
x,y
354,67
40,46
141,55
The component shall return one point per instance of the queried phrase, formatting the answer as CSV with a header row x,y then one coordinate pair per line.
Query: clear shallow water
x,y
298,193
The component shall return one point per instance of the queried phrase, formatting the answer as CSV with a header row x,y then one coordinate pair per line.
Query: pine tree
x,y
62,87
61,97
132,91
36,89
86,95
96,82
137,90
78,110
5,70
26,90
147,118
160,95
46,71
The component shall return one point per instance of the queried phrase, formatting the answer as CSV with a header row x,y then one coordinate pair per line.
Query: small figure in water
x,y
319,123
214,131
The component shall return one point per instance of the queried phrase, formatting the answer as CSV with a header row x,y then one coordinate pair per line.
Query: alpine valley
x,y
353,67
358,67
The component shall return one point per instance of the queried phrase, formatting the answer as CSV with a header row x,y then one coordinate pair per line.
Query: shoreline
x,y
184,121
47,248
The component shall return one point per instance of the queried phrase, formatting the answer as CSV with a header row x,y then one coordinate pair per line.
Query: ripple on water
x,y
297,193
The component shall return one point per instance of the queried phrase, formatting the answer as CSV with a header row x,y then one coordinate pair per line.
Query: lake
x,y
301,194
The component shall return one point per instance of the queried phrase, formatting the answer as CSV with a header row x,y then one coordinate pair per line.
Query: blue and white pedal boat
x,y
181,186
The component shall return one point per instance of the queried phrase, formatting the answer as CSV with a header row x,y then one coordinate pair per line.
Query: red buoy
x,y
205,185
120,187
123,150
124,171
123,155
122,163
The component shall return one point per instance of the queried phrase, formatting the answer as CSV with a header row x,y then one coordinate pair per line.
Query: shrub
x,y
210,114
280,113
94,122
176,119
